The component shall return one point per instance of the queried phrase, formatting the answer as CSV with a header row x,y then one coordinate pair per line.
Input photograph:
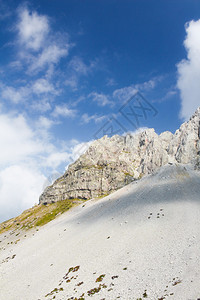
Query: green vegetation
x,y
94,291
72,269
128,174
54,291
102,196
59,208
100,278
93,166
145,294
39,215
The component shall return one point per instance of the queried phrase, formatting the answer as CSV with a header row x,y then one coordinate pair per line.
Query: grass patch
x,y
58,208
38,215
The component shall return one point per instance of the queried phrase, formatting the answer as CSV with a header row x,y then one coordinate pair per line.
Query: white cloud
x,y
43,126
110,82
63,111
18,141
16,64
170,93
20,179
14,95
147,85
20,188
39,94
39,47
189,71
43,105
125,93
77,68
72,82
41,86
44,123
32,29
22,93
50,55
56,158
101,99
78,65
97,119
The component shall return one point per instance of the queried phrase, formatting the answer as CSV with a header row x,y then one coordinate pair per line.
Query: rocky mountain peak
x,y
111,163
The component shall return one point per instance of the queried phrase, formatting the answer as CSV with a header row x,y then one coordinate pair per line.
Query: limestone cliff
x,y
111,163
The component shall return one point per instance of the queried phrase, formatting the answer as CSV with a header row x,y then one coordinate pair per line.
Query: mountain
x,y
140,242
111,163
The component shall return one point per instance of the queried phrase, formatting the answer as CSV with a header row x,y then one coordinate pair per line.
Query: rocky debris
x,y
111,163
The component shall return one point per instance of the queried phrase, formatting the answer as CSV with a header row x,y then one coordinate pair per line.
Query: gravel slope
x,y
144,238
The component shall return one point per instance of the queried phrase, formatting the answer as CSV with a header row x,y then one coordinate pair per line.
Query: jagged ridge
x,y
111,163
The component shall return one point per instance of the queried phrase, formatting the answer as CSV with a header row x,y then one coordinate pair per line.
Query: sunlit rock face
x,y
111,163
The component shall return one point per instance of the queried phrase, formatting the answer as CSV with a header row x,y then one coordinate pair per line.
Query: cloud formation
x,y
18,141
124,93
20,178
32,29
20,187
100,98
97,119
39,47
63,111
50,55
25,153
189,71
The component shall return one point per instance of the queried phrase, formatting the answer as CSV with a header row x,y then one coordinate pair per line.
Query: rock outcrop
x,y
111,163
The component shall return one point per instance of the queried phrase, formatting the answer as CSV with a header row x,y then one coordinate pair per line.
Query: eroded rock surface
x,y
111,163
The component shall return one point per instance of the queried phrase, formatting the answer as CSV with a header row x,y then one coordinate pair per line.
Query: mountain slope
x,y
111,163
144,238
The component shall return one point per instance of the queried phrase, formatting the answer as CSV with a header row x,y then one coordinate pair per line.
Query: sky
x,y
72,71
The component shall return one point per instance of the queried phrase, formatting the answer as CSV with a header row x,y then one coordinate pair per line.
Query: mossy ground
x,y
38,215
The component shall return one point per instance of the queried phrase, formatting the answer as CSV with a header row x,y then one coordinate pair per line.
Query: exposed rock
x,y
111,163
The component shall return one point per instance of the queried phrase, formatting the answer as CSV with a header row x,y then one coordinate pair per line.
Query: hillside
x,y
37,215
141,241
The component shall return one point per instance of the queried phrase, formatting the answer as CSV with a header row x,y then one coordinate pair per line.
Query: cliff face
x,y
111,163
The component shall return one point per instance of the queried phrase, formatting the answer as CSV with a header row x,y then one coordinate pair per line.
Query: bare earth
x,y
142,241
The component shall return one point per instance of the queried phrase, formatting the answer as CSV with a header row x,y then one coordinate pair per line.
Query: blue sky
x,y
67,67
